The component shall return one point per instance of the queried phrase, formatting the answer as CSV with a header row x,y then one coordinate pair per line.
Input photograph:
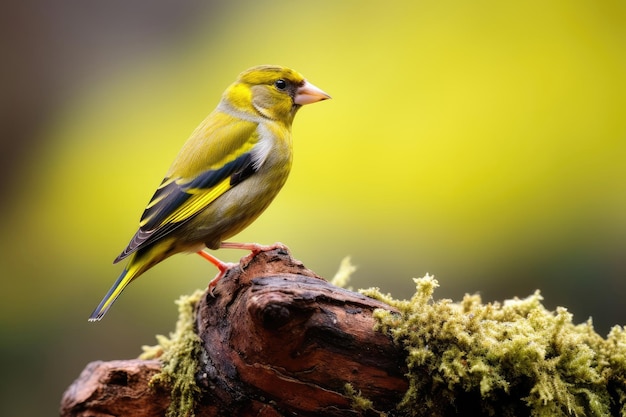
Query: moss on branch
x,y
508,359
179,354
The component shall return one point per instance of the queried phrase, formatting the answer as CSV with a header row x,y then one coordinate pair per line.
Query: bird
x,y
226,174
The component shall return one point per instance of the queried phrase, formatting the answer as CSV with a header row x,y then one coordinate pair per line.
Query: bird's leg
x,y
221,266
254,248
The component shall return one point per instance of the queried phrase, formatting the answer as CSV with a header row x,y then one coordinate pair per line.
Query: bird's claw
x,y
211,287
224,268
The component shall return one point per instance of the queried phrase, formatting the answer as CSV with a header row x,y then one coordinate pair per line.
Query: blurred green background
x,y
483,142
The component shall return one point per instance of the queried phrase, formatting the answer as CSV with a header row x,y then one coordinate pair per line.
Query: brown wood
x,y
279,340
114,388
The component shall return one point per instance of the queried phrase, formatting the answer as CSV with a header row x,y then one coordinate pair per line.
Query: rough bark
x,y
115,388
278,340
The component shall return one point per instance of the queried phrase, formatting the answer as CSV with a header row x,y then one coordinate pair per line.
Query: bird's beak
x,y
308,93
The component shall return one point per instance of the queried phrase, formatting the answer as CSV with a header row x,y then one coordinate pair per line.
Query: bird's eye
x,y
281,84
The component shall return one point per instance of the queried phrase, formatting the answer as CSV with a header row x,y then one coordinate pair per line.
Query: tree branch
x,y
276,340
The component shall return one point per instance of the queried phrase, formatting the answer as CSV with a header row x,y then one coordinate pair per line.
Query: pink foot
x,y
254,248
221,266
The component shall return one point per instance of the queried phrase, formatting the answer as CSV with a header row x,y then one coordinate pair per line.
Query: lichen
x,y
179,355
513,358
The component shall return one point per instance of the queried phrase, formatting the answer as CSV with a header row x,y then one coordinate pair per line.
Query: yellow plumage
x,y
226,174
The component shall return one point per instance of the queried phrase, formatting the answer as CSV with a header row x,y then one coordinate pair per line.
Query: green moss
x,y
360,403
179,354
510,359
344,273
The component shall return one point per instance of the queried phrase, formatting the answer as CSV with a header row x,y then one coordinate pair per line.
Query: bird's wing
x,y
178,199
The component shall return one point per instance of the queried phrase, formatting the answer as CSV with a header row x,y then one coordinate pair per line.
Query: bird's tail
x,y
132,270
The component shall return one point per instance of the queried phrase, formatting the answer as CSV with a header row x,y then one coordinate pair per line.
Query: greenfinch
x,y
224,177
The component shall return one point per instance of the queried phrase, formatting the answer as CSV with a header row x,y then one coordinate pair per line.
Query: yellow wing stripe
x,y
197,202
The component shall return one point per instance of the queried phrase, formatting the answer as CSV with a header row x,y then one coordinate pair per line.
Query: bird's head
x,y
274,92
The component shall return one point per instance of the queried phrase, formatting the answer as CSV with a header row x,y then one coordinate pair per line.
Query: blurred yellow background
x,y
482,142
